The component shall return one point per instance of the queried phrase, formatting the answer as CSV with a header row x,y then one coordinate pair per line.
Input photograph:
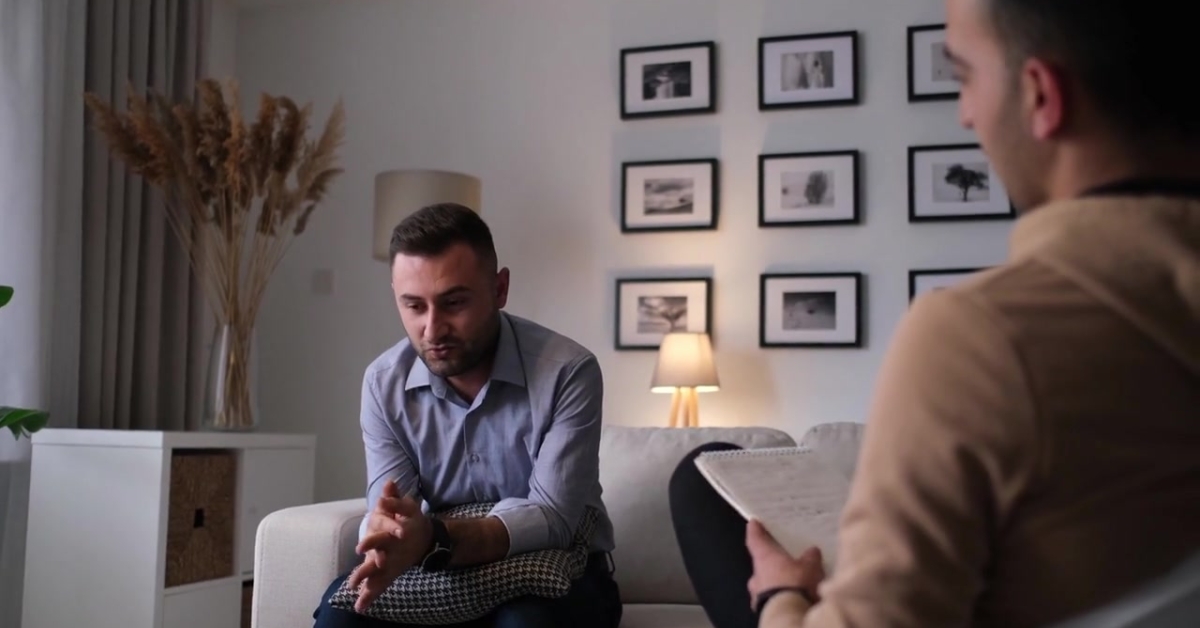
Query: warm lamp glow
x,y
685,367
399,193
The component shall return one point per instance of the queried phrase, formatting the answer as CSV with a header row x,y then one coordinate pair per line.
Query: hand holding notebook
x,y
794,492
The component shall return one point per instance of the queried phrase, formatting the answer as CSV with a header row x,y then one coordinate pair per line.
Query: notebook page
x,y
798,497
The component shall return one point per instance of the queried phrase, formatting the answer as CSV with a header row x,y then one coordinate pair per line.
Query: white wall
x,y
523,93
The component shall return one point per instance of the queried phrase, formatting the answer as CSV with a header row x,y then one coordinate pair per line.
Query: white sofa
x,y
301,550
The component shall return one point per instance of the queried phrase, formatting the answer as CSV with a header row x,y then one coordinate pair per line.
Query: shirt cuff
x,y
528,528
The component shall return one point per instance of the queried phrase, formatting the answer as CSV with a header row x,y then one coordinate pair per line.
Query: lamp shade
x,y
399,193
685,360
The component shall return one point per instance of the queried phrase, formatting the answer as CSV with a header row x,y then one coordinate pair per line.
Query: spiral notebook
x,y
794,492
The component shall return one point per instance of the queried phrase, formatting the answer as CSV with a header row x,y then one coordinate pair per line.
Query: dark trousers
x,y
593,602
712,539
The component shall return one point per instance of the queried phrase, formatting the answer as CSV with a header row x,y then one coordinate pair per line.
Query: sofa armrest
x,y
299,551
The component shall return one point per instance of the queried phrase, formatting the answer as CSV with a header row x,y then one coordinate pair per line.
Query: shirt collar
x,y
1051,224
506,367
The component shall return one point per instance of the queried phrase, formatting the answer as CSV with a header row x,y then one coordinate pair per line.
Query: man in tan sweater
x,y
1033,446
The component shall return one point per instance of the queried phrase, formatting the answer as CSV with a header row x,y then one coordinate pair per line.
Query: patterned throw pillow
x,y
461,594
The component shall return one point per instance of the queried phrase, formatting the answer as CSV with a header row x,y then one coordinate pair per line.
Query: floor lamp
x,y
685,368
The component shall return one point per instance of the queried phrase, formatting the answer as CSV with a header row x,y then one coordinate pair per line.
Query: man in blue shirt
x,y
476,406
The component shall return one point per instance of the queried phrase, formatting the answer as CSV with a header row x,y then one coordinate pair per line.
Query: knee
x,y
687,467
686,482
325,615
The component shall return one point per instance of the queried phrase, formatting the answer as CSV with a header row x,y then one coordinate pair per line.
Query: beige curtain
x,y
143,326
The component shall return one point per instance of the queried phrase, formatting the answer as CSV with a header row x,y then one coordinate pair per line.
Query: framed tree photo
x,y
810,310
808,189
954,182
925,280
813,70
650,308
930,73
669,80
677,195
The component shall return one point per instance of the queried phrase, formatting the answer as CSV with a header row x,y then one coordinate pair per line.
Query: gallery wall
x,y
525,95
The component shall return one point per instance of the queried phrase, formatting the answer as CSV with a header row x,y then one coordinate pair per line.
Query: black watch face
x,y
436,560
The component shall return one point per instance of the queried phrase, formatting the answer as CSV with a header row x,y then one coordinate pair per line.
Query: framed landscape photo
x,y
814,70
954,182
671,80
921,281
673,195
650,308
808,189
930,73
810,310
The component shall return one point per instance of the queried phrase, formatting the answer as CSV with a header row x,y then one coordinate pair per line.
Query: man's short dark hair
x,y
1130,56
433,229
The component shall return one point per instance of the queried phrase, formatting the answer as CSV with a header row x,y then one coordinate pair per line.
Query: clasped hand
x,y
398,537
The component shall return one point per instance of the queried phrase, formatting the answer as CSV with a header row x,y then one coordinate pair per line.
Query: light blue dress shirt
x,y
530,441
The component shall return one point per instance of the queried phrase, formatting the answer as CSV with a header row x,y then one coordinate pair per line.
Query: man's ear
x,y
1044,98
502,279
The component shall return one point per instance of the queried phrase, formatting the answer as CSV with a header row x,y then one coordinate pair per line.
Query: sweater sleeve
x,y
950,444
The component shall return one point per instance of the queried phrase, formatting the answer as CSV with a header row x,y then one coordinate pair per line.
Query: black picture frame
x,y
917,93
625,339
916,203
704,216
915,274
629,100
854,188
856,295
765,102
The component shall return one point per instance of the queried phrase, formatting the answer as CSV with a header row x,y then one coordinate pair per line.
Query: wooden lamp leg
x,y
693,408
685,408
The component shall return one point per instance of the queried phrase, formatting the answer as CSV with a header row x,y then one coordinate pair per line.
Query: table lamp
x,y
399,193
685,367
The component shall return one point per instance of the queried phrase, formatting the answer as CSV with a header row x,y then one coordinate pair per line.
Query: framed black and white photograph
x,y
925,280
810,310
670,80
669,195
930,73
650,308
808,189
954,182
814,70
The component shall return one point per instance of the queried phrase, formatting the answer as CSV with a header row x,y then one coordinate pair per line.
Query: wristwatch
x,y
442,548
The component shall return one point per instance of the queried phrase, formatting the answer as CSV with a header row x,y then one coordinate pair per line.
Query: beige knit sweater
x,y
1033,446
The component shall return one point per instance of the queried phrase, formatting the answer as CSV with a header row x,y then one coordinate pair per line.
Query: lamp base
x,y
685,410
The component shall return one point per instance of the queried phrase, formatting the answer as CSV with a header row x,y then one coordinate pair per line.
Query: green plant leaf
x,y
22,422
6,293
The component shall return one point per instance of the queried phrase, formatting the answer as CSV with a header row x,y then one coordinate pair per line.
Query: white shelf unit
x,y
96,546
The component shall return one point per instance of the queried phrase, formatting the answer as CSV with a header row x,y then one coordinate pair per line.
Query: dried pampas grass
x,y
236,195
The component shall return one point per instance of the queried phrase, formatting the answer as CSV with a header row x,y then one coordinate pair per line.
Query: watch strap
x,y
762,598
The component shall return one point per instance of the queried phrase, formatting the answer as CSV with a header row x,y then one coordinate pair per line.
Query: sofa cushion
x,y
463,594
664,616
636,464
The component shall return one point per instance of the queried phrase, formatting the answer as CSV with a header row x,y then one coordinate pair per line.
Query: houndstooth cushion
x,y
461,594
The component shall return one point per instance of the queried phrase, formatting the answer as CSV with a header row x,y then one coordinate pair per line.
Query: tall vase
x,y
229,400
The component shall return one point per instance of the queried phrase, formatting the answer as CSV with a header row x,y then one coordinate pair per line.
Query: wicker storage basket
x,y
200,526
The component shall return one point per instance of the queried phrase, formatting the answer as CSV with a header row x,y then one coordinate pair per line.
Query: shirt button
x,y
474,457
